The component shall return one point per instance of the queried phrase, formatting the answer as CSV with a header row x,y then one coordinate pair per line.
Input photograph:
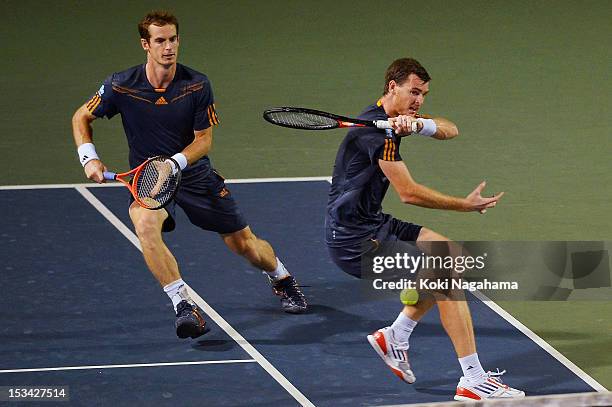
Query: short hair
x,y
159,18
400,70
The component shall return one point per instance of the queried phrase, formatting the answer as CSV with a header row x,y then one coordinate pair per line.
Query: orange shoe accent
x,y
461,391
397,373
380,339
199,318
161,101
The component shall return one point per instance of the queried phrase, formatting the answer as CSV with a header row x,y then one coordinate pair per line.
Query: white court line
x,y
248,348
96,367
111,217
117,184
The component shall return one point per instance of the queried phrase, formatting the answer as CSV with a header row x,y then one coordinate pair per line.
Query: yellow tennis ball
x,y
409,296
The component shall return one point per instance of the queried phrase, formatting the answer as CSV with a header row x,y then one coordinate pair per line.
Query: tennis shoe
x,y
393,353
490,387
189,320
292,299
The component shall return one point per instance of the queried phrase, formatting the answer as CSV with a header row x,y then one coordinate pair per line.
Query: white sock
x,y
177,291
280,272
472,370
402,327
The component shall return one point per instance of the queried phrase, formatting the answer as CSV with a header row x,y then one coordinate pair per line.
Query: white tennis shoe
x,y
489,388
393,353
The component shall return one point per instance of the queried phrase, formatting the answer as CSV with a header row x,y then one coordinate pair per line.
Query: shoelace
x,y
288,288
496,375
182,306
401,345
292,290
397,344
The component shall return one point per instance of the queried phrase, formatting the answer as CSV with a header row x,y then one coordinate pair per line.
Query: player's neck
x,y
159,76
386,103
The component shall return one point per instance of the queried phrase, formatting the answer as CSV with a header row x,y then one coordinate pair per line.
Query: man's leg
x,y
476,384
454,311
157,256
163,266
257,251
392,342
261,255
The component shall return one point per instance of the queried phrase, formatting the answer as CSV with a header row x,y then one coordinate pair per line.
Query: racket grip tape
x,y
109,175
382,124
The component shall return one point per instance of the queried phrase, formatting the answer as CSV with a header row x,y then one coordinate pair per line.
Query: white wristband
x,y
181,160
429,127
87,152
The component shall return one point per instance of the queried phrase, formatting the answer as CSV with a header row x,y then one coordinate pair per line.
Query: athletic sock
x,y
402,327
177,291
280,272
472,370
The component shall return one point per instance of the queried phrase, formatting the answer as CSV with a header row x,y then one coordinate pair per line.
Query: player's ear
x,y
145,44
392,85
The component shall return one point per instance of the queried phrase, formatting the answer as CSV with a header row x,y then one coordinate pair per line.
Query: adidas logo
x,y
161,101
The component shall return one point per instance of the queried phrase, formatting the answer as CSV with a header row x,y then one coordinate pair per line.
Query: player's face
x,y
409,96
163,44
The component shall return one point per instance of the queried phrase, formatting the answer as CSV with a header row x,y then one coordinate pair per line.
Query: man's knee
x,y
428,235
148,224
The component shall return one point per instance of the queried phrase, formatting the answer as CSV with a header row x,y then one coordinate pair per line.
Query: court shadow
x,y
440,387
330,323
214,345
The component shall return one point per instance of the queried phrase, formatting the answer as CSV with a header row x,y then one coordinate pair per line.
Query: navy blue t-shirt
x,y
157,121
354,209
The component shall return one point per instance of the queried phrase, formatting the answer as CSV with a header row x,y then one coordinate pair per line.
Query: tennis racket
x,y
153,183
309,119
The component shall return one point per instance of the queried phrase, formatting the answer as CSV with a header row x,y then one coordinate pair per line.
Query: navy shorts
x,y
207,202
348,258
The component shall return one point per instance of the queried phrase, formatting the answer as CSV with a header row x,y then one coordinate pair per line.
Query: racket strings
x,y
156,183
302,120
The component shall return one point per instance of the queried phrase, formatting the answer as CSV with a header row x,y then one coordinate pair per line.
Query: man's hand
x,y
94,170
402,124
476,202
164,169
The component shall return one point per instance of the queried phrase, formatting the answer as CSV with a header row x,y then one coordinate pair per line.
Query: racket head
x,y
310,119
301,118
155,182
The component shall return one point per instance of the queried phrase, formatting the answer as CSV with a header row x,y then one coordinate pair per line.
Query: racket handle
x,y
382,124
109,175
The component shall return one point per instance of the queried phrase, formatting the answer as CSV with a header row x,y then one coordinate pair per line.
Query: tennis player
x,y
168,109
367,161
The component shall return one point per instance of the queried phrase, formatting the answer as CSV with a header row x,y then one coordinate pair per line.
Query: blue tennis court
x,y
80,309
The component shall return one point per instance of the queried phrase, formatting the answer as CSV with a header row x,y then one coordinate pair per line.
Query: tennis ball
x,y
409,296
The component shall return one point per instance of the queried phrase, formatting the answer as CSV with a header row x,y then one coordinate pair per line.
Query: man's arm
x,y
411,192
200,146
443,129
82,132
